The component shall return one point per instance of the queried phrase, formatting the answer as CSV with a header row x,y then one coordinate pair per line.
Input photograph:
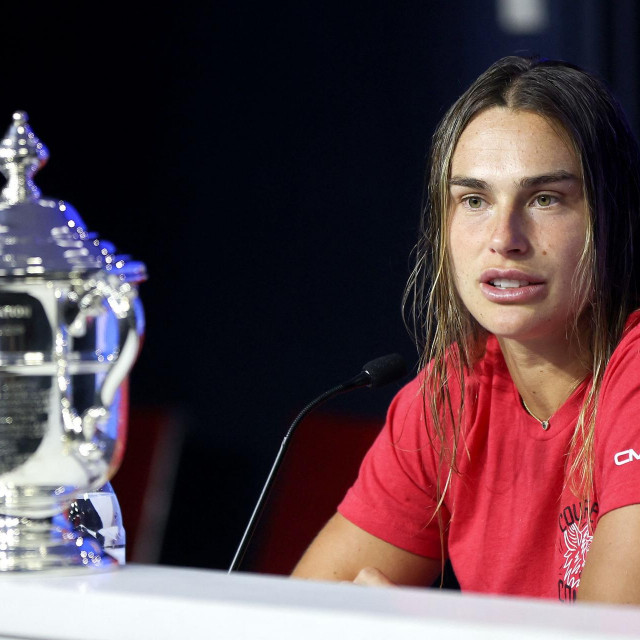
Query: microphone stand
x,y
361,380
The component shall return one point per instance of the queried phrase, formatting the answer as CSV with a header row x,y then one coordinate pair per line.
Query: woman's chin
x,y
526,329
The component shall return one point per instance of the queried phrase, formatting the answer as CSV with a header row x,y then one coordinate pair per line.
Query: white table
x,y
141,602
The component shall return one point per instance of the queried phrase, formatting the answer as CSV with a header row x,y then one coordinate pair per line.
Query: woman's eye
x,y
474,202
545,200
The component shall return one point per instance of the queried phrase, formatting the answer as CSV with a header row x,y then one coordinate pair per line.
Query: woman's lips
x,y
522,293
511,285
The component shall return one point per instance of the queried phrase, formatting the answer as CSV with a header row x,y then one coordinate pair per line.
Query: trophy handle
x,y
126,308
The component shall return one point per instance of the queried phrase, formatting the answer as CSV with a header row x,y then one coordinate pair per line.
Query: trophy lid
x,y
41,236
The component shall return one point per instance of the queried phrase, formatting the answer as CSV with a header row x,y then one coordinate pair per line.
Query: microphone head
x,y
385,369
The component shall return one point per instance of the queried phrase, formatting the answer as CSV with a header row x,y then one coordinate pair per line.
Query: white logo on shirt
x,y
622,457
577,541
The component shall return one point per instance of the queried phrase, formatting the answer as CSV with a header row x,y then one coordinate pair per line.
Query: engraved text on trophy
x,y
24,398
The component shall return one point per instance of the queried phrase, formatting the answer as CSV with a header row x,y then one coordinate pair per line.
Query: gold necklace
x,y
545,424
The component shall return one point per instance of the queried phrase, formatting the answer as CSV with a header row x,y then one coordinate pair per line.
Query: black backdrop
x,y
265,160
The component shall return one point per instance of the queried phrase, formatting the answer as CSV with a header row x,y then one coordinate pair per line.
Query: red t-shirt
x,y
512,526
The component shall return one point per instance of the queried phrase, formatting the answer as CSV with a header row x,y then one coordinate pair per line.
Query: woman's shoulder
x,y
489,369
632,327
619,394
627,352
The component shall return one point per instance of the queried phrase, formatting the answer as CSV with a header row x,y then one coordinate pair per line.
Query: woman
x,y
517,448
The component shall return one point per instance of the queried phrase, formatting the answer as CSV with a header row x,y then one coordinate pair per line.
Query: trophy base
x,y
88,536
30,544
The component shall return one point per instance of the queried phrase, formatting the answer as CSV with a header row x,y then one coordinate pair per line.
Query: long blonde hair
x,y
608,275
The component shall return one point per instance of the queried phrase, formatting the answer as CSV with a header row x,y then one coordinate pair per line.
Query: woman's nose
x,y
508,235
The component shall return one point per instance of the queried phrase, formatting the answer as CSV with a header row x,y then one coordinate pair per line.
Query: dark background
x,y
265,160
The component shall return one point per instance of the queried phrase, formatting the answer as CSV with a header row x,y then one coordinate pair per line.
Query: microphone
x,y
376,373
379,372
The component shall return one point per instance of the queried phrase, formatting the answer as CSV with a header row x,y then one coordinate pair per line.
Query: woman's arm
x,y
612,570
341,551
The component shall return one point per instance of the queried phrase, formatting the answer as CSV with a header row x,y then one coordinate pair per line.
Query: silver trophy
x,y
70,329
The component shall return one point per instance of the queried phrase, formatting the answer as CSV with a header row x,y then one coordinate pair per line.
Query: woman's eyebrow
x,y
470,183
547,178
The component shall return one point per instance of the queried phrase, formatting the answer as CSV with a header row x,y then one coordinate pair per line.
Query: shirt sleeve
x,y
617,436
395,495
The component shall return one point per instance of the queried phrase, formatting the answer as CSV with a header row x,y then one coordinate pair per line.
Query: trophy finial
x,y
21,155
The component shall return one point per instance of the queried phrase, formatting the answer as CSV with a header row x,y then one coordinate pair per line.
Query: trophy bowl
x,y
70,330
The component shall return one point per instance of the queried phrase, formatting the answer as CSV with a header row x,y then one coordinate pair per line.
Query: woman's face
x,y
518,224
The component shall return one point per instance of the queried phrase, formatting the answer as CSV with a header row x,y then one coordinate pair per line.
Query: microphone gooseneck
x,y
376,373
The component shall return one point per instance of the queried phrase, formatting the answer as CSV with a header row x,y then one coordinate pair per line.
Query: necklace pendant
x,y
544,424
